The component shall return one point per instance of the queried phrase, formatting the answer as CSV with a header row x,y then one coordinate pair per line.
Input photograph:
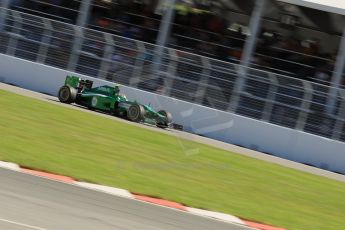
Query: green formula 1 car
x,y
108,99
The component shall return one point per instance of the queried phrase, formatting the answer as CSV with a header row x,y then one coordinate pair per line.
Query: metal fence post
x,y
76,48
271,97
247,54
84,13
164,32
303,115
169,81
107,56
337,76
14,34
4,8
138,65
339,124
202,84
47,35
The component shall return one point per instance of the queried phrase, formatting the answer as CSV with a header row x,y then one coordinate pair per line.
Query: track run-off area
x,y
185,135
94,147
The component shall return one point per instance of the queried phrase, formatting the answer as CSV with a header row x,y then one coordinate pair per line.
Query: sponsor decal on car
x,y
94,101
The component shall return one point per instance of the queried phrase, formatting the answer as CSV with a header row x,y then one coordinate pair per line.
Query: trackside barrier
x,y
224,126
274,98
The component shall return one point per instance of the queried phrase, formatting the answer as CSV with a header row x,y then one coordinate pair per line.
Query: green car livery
x,y
108,99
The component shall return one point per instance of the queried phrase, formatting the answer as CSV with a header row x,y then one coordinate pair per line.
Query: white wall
x,y
219,125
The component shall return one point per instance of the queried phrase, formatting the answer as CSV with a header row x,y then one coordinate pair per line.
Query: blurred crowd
x,y
199,32
301,57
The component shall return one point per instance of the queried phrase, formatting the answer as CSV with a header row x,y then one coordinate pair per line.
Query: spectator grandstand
x,y
202,32
292,50
286,83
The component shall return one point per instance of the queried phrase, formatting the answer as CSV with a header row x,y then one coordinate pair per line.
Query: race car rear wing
x,y
78,83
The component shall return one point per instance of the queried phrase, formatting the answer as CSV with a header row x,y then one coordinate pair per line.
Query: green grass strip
x,y
92,148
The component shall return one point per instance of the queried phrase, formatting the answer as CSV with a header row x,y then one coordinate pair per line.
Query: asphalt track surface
x,y
33,203
188,136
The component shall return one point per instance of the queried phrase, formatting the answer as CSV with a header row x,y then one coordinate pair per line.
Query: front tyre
x,y
136,113
67,94
167,121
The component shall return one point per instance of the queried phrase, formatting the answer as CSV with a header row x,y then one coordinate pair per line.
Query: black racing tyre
x,y
168,118
67,94
115,111
136,113
167,115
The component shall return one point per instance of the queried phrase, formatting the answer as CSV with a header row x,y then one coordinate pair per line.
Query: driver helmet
x,y
117,89
124,96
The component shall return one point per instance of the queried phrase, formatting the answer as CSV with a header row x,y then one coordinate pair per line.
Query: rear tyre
x,y
67,94
136,113
168,119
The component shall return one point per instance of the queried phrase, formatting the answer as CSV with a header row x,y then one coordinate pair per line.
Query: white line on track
x,y
22,225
